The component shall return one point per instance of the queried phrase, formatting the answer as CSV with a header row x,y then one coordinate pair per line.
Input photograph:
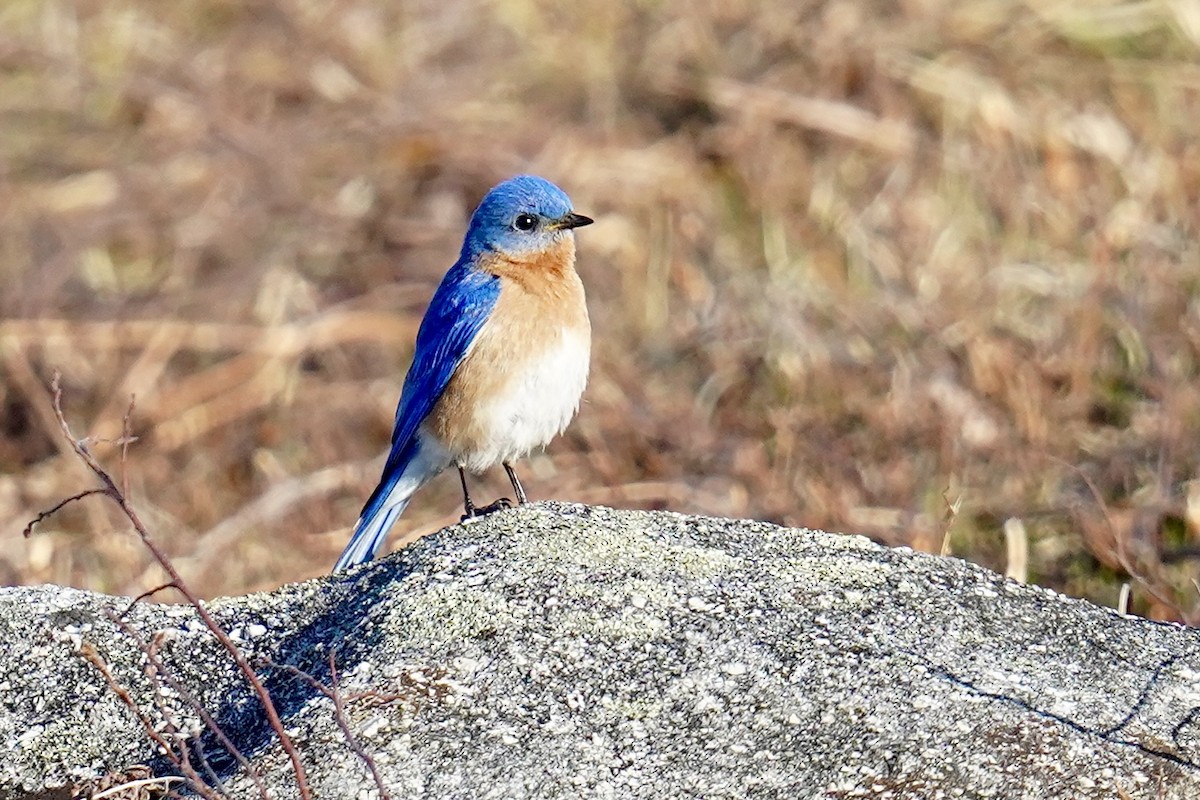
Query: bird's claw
x,y
473,512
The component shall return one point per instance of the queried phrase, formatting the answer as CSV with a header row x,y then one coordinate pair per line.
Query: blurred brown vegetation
x,y
921,270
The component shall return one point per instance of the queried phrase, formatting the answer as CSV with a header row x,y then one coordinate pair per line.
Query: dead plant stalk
x,y
110,489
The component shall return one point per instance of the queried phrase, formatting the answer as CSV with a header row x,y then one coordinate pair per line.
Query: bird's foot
x,y
473,512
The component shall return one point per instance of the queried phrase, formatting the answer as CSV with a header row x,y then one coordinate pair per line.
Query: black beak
x,y
573,220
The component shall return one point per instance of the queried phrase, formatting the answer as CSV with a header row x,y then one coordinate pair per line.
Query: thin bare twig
x,y
150,649
59,506
339,716
89,653
110,488
171,731
143,596
144,783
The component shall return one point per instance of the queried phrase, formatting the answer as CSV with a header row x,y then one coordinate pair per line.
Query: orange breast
x,y
540,299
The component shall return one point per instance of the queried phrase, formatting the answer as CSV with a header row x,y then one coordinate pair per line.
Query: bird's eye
x,y
525,222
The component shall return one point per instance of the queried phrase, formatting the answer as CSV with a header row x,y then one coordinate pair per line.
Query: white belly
x,y
534,406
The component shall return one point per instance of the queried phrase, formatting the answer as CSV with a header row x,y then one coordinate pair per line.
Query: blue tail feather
x,y
385,505
368,538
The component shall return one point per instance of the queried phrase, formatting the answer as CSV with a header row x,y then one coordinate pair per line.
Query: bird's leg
x,y
503,502
516,484
469,509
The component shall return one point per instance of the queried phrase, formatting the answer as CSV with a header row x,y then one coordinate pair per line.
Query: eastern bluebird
x,y
501,356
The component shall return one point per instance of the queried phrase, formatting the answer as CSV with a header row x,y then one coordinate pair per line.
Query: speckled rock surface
x,y
563,651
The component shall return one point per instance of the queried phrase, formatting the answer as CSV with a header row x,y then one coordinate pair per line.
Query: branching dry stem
x,y
339,716
120,498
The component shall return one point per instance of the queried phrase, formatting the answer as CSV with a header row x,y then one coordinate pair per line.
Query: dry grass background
x,y
921,270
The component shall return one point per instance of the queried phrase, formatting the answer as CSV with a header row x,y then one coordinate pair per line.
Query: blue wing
x,y
460,306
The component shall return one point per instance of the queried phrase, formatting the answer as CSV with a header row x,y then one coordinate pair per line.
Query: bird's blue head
x,y
521,217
